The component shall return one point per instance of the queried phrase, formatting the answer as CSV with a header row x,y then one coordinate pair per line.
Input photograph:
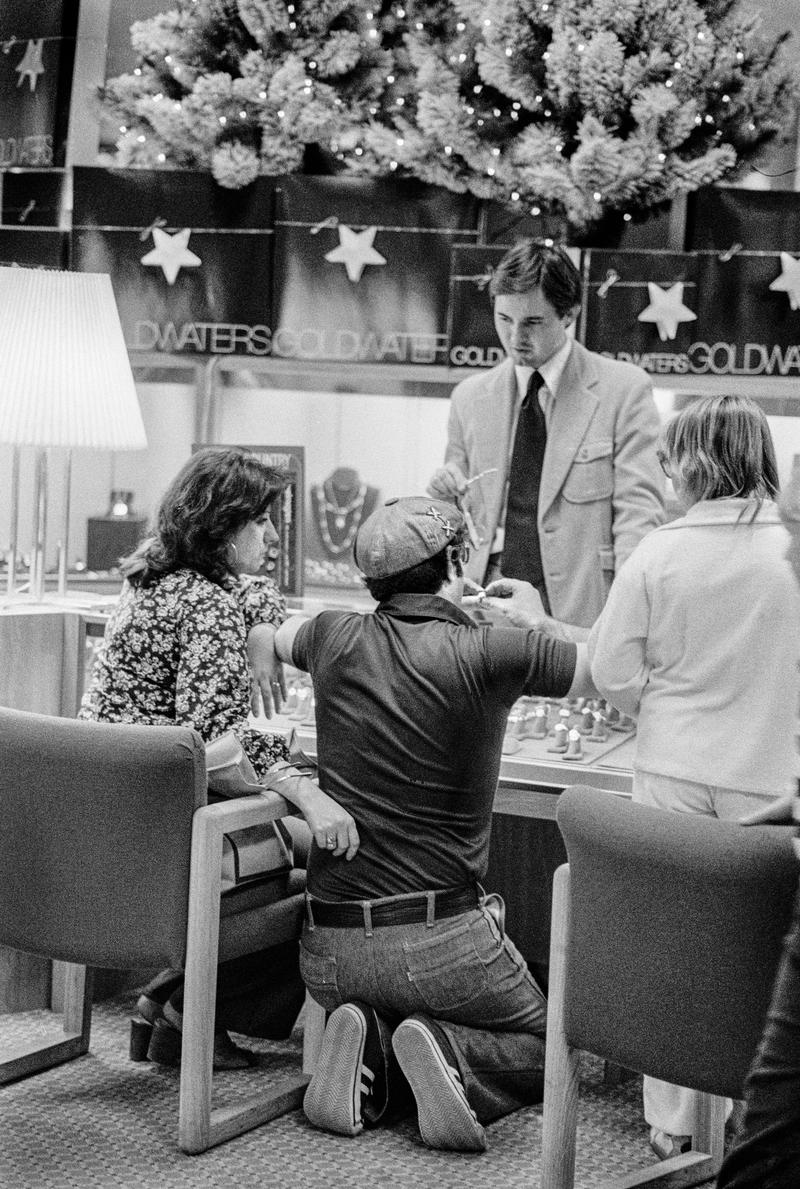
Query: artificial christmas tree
x,y
581,109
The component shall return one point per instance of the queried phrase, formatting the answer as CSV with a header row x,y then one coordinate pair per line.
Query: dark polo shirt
x,y
412,702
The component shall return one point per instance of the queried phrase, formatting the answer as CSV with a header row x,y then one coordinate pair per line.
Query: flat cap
x,y
404,532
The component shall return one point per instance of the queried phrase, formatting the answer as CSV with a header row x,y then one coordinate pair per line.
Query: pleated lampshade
x,y
65,377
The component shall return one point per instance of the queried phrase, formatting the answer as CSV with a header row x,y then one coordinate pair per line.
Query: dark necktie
x,y
521,554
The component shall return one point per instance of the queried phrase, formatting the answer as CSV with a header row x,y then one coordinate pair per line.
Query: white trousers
x,y
667,1107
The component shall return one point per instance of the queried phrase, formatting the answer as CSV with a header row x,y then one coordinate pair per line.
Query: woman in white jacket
x,y
700,640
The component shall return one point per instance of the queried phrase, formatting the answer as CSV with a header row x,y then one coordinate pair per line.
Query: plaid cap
x,y
403,533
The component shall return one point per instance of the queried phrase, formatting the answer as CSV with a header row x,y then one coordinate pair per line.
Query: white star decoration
x,y
171,253
666,309
355,251
789,280
31,63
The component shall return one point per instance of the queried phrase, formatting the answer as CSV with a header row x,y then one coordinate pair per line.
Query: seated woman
x,y
176,651
699,640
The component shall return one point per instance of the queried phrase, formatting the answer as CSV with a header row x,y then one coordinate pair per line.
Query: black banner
x,y
472,336
750,318
641,307
702,313
31,203
362,268
37,52
759,220
190,262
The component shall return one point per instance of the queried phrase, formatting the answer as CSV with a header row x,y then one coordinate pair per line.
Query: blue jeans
x,y
460,971
767,1151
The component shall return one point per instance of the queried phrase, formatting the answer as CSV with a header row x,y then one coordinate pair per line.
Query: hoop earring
x,y
234,560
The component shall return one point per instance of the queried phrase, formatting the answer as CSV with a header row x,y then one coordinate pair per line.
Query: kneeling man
x,y
400,943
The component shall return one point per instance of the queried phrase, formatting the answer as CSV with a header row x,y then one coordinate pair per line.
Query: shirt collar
x,y
424,606
727,511
551,370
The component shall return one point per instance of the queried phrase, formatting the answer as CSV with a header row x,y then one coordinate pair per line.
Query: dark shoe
x,y
350,1086
165,1044
165,1049
446,1120
229,1055
141,1032
150,1004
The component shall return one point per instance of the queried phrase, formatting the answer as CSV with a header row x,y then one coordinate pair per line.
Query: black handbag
x,y
256,853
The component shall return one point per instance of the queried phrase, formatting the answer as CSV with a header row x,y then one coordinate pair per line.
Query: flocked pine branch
x,y
575,108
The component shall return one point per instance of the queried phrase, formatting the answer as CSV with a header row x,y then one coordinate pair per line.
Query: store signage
x,y
700,313
362,267
190,262
37,52
381,271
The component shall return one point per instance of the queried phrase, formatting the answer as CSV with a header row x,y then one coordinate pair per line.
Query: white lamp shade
x,y
65,377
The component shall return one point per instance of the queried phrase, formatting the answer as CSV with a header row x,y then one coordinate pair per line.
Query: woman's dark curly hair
x,y
210,499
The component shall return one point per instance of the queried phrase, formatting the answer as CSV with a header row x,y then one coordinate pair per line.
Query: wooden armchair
x,y
110,857
666,936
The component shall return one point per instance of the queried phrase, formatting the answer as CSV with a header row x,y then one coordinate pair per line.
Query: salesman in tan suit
x,y
560,443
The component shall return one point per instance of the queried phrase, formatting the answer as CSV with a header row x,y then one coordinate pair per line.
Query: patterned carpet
x,y
103,1122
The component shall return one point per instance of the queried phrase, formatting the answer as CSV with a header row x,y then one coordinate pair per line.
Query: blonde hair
x,y
720,447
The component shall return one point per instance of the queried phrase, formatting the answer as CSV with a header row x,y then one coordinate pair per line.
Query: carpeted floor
x,y
103,1122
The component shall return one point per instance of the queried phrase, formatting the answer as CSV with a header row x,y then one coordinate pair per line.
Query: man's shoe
x,y
446,1120
666,1146
350,1086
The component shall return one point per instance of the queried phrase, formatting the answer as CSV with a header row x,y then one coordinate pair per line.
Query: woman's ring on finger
x,y
330,841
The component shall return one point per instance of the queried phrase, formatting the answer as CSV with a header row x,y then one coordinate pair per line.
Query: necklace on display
x,y
343,517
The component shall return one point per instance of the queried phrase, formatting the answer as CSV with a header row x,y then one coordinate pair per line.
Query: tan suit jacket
x,y
601,490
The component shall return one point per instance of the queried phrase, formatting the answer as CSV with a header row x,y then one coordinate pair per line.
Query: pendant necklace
x,y
345,517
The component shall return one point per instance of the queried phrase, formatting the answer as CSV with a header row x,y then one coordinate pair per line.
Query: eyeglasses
x,y
663,462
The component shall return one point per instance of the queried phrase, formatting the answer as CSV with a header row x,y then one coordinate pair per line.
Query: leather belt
x,y
407,909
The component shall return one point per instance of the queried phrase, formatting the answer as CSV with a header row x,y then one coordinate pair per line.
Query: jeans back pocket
x,y
447,970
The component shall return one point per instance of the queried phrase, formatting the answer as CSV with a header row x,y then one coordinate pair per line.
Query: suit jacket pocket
x,y
591,476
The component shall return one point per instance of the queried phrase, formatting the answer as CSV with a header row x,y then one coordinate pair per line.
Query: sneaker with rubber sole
x,y
446,1120
349,1087
666,1146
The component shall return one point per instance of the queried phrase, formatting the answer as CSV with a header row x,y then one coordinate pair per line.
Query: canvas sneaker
x,y
349,1087
446,1120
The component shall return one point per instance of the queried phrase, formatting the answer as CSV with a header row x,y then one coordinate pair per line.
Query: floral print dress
x,y
175,652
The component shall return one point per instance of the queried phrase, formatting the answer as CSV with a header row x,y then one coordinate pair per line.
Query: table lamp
x,y
65,381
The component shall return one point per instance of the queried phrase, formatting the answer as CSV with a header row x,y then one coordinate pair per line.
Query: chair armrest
x,y
239,812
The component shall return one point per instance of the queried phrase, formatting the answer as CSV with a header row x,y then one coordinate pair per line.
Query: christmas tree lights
x,y
577,108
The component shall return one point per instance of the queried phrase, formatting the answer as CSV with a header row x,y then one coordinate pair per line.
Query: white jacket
x,y
700,639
